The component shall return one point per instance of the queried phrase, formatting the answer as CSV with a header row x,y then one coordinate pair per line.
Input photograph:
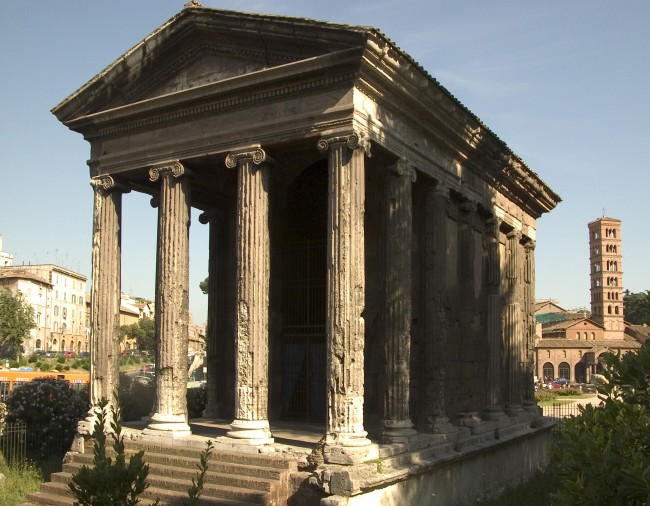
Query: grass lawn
x,y
19,481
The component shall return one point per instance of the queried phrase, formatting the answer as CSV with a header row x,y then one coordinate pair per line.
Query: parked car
x,y
68,354
560,383
83,354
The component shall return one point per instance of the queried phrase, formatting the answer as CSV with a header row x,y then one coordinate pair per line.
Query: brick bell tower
x,y
606,268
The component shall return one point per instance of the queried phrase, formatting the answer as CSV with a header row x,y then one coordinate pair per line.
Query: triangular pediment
x,y
200,46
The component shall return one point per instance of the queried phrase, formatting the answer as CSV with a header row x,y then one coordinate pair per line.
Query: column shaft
x,y
397,235
512,324
172,300
493,393
211,335
434,310
345,292
105,290
253,279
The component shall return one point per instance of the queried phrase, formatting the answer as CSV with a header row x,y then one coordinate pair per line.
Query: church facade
x,y
371,242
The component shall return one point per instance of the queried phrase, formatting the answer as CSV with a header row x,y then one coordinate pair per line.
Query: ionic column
x,y
345,299
397,223
211,410
512,324
530,404
251,425
434,311
172,300
105,293
493,409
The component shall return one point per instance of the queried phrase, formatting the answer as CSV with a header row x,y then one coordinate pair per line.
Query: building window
x,y
593,336
56,310
564,371
578,335
74,299
548,371
615,309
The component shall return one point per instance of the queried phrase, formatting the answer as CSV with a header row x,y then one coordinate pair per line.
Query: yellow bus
x,y
12,379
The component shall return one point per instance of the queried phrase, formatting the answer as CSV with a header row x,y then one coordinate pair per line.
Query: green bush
x,y
568,391
60,359
44,366
604,453
58,367
13,364
85,366
545,395
49,406
66,367
33,358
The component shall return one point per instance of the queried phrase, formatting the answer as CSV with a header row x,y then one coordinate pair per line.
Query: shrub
x,y
60,359
545,395
58,367
44,366
86,366
603,454
48,405
33,358
569,391
14,363
110,481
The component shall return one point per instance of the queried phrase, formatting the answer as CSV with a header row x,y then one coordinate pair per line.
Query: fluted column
x,y
172,300
397,233
251,425
105,292
530,404
345,298
493,409
435,311
512,324
211,410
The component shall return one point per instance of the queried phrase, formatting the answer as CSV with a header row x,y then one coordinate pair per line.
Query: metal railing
x,y
20,442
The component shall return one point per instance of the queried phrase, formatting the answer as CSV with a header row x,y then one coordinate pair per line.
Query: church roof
x,y
613,344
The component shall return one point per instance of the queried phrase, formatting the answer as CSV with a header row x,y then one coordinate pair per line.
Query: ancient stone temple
x,y
371,251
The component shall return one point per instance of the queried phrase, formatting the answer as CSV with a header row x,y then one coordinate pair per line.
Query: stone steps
x,y
233,479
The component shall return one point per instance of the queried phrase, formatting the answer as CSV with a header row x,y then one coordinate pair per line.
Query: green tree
x,y
144,332
604,453
16,320
636,307
203,285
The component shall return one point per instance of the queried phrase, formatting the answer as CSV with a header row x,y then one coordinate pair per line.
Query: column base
x,y
400,431
350,455
514,409
494,413
250,432
168,425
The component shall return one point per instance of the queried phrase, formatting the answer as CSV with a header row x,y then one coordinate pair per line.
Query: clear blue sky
x,y
565,83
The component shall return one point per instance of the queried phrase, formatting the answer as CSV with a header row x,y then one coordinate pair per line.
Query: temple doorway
x,y
304,297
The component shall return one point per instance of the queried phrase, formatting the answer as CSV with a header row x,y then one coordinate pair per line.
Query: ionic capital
x,y
206,216
255,154
352,141
529,244
515,233
107,183
175,169
402,167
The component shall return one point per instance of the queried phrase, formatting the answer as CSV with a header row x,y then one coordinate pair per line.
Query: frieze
x,y
185,114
